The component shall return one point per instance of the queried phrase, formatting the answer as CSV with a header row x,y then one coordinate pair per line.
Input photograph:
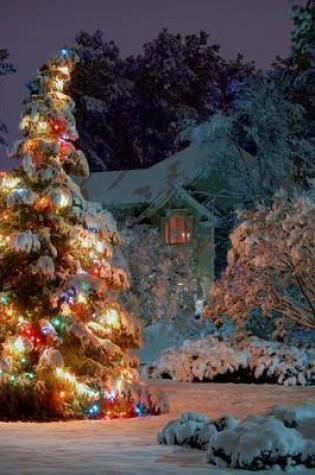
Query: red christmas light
x,y
57,127
32,332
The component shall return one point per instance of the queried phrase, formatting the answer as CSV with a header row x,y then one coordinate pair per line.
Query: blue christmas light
x,y
48,329
139,410
64,53
94,410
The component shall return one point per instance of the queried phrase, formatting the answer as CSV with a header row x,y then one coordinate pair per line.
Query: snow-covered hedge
x,y
276,439
251,360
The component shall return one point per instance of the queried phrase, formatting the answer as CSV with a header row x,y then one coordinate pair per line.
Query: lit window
x,y
177,229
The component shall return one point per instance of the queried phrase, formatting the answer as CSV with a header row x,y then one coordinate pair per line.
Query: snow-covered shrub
x,y
251,360
271,264
276,439
292,416
193,429
156,272
260,442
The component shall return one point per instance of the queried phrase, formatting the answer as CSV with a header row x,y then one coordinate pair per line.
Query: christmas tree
x,y
65,339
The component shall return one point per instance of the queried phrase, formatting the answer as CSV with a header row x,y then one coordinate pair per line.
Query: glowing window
x,y
177,229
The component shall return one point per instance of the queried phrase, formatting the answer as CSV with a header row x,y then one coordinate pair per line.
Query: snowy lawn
x,y
129,447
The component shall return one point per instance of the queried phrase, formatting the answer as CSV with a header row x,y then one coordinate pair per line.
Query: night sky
x,y
33,30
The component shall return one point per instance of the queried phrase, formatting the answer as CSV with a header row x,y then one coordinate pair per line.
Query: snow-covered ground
x,y
129,447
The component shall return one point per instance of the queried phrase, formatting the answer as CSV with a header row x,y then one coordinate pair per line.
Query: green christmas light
x,y
5,298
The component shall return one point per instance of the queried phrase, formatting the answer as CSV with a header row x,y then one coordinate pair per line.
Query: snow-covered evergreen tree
x,y
65,339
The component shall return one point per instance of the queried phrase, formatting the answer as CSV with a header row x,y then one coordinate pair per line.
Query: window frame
x,y
167,226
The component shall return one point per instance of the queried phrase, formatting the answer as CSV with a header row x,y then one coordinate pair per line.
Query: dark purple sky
x,y
33,30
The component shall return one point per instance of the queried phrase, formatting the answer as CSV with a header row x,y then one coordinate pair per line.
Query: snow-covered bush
x,y
251,360
276,439
193,429
260,442
271,264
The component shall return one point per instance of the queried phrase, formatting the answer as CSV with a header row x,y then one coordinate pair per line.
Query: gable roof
x,y
177,192
144,186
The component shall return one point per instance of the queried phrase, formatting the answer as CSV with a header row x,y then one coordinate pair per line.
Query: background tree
x,y
271,264
5,68
252,150
129,111
272,117
65,338
294,75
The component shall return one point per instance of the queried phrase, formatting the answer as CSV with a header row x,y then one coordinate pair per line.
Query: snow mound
x,y
249,361
255,443
193,429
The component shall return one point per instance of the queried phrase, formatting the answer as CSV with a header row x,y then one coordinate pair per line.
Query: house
x,y
158,196
170,216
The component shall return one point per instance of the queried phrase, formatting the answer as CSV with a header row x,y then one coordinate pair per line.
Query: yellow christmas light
x,y
62,374
81,298
64,69
111,317
58,83
10,182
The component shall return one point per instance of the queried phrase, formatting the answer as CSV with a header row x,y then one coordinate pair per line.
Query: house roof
x,y
144,186
152,186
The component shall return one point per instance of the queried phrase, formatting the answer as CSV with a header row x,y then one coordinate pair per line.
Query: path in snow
x,y
128,447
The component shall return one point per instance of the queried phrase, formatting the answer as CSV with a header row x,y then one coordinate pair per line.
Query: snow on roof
x,y
129,187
